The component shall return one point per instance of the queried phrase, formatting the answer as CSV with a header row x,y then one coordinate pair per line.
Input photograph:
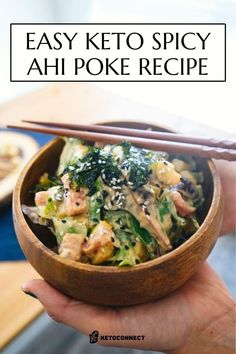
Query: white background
x,y
210,103
135,42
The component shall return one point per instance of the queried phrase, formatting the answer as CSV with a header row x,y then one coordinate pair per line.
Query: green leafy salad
x,y
118,204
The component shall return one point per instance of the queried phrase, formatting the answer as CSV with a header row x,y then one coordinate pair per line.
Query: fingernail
x,y
28,292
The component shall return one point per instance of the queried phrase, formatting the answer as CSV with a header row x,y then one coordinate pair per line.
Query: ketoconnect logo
x,y
94,337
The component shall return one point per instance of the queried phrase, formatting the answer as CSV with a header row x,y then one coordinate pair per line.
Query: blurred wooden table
x,y
84,103
17,310
87,103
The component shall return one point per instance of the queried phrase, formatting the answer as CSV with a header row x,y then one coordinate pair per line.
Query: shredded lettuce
x,y
68,225
134,203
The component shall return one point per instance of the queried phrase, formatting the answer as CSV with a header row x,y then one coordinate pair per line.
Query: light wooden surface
x,y
17,310
86,103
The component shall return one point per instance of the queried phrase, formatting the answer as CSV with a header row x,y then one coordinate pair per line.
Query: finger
x,y
86,318
147,320
61,308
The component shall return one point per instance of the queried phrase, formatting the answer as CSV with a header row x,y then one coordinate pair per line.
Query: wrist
x,y
226,171
217,336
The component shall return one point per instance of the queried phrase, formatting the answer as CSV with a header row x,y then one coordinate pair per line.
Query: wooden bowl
x,y
111,285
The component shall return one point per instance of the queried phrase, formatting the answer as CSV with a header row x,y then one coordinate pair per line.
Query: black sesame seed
x,y
185,180
146,194
105,194
77,203
112,238
63,221
49,223
165,163
126,247
49,199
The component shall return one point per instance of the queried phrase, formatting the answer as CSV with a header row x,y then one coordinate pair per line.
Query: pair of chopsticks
x,y
168,142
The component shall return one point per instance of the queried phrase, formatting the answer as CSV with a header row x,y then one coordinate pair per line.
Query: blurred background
x,y
211,103
206,107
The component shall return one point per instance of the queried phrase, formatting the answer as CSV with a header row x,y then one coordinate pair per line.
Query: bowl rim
x,y
33,239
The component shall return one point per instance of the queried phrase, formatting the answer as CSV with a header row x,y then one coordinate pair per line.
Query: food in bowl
x,y
10,158
16,149
118,204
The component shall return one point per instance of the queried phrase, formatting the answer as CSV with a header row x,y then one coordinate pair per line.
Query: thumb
x,y
61,308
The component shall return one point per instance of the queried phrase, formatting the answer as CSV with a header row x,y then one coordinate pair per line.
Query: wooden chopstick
x,y
168,146
226,144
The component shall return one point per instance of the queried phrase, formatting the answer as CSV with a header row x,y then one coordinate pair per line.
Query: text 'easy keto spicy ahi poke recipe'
x,y
118,205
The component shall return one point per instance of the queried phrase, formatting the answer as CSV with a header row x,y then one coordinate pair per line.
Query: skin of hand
x,y
197,318
227,172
